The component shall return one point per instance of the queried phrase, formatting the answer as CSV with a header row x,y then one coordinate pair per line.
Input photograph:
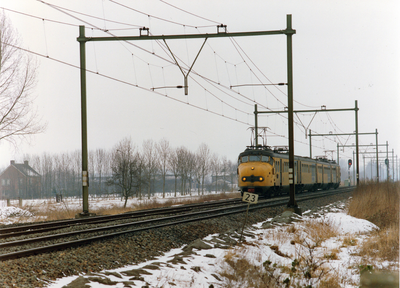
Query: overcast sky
x,y
343,51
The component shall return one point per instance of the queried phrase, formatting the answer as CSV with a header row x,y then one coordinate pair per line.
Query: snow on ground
x,y
13,214
9,215
201,268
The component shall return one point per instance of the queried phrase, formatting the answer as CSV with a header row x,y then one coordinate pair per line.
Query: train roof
x,y
281,152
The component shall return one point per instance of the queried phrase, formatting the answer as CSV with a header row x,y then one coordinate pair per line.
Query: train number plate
x,y
250,198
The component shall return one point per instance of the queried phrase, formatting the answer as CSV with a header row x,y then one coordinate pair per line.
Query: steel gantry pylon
x,y
323,109
82,39
376,148
357,145
376,152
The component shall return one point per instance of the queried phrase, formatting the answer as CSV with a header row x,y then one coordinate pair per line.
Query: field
x,y
49,209
331,247
323,251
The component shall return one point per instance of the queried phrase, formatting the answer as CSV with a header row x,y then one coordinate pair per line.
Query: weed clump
x,y
239,272
379,204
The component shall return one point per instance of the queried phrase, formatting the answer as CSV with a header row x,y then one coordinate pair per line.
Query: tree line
x,y
132,171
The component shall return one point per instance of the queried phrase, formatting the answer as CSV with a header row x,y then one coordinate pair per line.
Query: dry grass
x,y
241,273
383,244
183,201
331,281
349,240
375,202
50,213
278,236
332,255
318,230
379,204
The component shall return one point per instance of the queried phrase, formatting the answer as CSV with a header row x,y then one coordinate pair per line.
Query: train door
x,y
334,177
313,173
322,174
300,171
329,174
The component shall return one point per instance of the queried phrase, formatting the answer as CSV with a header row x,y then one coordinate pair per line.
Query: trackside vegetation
x,y
375,202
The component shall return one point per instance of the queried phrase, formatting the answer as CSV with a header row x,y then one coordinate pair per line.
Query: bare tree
x,y
18,118
174,165
151,163
204,162
76,171
125,168
233,174
191,165
225,171
163,150
46,169
101,165
197,172
215,165
62,172
181,154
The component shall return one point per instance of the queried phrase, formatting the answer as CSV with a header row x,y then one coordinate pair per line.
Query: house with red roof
x,y
19,180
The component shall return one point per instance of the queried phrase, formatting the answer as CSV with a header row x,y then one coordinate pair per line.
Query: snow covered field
x,y
13,214
266,249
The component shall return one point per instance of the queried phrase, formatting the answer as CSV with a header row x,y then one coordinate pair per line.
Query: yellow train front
x,y
264,171
256,171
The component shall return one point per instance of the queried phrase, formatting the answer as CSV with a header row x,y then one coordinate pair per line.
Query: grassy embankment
x,y
379,204
375,202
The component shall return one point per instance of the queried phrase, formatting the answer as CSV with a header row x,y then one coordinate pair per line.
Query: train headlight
x,y
244,179
261,179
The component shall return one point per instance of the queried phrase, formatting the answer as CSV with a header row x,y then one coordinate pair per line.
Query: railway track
x,y
56,225
134,223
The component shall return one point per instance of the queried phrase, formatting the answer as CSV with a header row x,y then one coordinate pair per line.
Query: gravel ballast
x,y
38,270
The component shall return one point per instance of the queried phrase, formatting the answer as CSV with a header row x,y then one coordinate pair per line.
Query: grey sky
x,y
342,50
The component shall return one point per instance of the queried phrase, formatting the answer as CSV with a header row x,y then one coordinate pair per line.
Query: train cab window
x,y
255,158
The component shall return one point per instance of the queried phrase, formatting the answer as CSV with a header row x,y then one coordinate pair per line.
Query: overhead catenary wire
x,y
236,43
108,32
215,22
124,82
148,90
198,26
37,17
135,46
61,9
133,26
45,38
156,17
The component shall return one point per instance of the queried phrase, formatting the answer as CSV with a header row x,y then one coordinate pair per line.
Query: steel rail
x,y
218,213
49,226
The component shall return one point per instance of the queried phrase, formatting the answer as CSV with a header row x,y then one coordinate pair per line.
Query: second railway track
x,y
84,232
